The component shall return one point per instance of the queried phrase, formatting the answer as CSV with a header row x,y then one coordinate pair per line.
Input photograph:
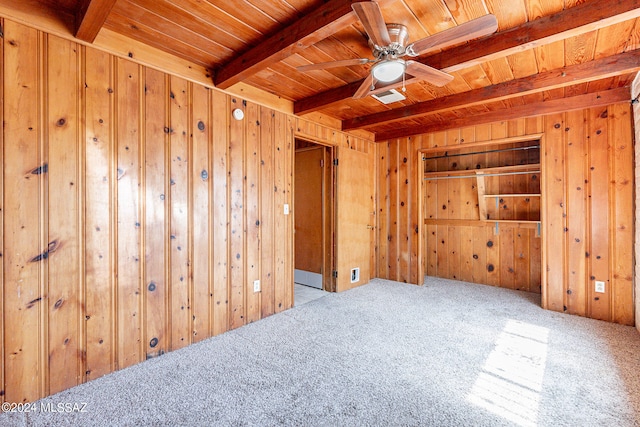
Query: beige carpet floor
x,y
385,354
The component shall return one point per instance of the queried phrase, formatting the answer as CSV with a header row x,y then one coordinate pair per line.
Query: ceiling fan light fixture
x,y
389,70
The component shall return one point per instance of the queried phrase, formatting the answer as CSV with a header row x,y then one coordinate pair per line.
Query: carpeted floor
x,y
386,354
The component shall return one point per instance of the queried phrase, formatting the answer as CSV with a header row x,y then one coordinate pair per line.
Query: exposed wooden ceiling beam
x,y
90,17
610,66
583,18
326,20
590,100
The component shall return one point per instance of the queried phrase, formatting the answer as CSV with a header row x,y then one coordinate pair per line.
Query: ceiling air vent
x,y
389,96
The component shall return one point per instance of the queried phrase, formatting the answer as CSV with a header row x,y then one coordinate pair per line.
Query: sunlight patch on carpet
x,y
511,379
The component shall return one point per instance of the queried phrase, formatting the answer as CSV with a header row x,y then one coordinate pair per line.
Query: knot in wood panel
x,y
40,169
52,247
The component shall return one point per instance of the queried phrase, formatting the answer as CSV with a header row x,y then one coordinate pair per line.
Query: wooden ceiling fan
x,y
388,43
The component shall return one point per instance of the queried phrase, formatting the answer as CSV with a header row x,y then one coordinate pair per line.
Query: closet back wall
x,y
135,213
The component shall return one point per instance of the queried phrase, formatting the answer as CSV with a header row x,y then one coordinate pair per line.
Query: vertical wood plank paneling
x,y
620,133
393,256
128,213
521,257
454,204
220,177
267,213
22,243
466,253
453,259
442,231
506,186
600,161
404,204
289,171
384,170
280,227
577,213
521,242
467,209
252,209
371,213
555,225
598,305
200,235
430,211
237,224
492,244
480,260
535,261
64,275
635,91
155,236
535,125
415,193
2,342
98,231
179,196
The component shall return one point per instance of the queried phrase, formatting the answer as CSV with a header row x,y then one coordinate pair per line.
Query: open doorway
x,y
314,219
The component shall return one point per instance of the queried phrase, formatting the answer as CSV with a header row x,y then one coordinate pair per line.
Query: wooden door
x,y
309,165
354,218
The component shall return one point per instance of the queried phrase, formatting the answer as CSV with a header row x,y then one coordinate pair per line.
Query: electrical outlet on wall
x,y
599,286
256,286
355,275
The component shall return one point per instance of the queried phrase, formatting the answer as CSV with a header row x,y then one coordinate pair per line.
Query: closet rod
x,y
500,150
479,175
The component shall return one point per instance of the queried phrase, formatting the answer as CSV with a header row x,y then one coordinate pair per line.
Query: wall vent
x,y
389,96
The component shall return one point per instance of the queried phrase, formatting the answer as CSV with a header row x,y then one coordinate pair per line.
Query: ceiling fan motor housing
x,y
398,34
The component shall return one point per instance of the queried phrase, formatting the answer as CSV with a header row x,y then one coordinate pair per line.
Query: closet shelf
x,y
532,224
512,195
473,173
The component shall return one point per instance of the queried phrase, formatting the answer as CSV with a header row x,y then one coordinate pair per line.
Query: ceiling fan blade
x,y
365,87
430,74
333,64
369,14
473,29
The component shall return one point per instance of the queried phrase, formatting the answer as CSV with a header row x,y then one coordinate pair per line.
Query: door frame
x,y
328,214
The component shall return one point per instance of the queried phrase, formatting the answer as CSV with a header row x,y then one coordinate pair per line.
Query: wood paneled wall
x,y
136,213
587,211
635,92
588,219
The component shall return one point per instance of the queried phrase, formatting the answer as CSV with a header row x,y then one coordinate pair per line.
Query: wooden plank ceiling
x,y
544,50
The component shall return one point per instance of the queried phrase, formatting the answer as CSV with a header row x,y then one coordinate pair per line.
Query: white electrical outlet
x,y
599,286
355,275
256,286
286,209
